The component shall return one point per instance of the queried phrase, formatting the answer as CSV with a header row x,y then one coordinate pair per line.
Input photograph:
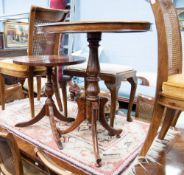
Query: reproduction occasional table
x,y
91,107
49,109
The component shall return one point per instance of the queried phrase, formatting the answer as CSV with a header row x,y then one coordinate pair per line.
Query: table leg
x,y
103,121
49,109
92,88
81,116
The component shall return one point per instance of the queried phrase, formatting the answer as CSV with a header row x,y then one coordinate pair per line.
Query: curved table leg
x,y
133,82
55,132
38,117
103,121
81,116
95,114
113,88
59,116
56,89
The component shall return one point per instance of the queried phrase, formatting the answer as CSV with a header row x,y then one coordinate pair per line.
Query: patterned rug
x,y
116,153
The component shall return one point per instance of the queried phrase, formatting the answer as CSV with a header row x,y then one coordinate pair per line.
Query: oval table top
x,y
48,60
95,26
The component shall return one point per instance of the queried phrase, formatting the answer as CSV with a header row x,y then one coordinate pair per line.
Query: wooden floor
x,y
170,161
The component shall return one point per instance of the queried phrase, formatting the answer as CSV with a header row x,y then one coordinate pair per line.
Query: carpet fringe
x,y
153,153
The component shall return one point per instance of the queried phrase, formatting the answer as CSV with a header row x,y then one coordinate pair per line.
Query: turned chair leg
x,y
56,89
38,79
155,122
31,95
2,91
113,88
63,84
133,82
169,115
175,119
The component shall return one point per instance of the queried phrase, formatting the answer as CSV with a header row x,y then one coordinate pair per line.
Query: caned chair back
x,y
10,161
169,40
44,44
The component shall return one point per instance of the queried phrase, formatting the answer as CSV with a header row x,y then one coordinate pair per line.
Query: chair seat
x,y
104,68
9,65
174,87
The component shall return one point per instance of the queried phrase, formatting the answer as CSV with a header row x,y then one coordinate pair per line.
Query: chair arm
x,y
144,81
50,163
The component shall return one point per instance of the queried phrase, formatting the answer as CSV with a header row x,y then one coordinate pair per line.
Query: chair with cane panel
x,y
169,98
38,44
11,161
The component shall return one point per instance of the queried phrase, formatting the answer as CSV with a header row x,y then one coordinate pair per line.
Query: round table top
x,y
95,26
48,60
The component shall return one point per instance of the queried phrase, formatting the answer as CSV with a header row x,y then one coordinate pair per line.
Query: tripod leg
x,y
38,117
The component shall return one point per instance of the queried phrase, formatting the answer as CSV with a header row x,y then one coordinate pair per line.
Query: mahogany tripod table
x,y
92,107
49,109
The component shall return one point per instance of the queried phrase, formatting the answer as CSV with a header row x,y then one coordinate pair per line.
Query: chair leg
x,y
63,84
113,88
56,90
155,122
31,95
175,119
2,91
133,82
38,79
170,114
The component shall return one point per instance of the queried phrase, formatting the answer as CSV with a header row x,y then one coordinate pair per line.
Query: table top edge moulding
x,y
48,60
95,26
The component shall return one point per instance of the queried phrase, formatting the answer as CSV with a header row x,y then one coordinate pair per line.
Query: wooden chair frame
x,y
37,14
15,154
169,63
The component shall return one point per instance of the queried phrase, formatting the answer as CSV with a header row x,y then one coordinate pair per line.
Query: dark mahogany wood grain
x,y
48,60
96,26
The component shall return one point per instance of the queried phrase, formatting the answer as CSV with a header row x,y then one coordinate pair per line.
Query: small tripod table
x,y
49,109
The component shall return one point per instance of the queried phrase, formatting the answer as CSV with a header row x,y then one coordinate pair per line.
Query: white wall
x,y
22,6
1,7
179,3
135,49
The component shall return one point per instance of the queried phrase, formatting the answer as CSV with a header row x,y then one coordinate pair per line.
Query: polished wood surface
x,y
95,26
48,60
49,109
94,105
